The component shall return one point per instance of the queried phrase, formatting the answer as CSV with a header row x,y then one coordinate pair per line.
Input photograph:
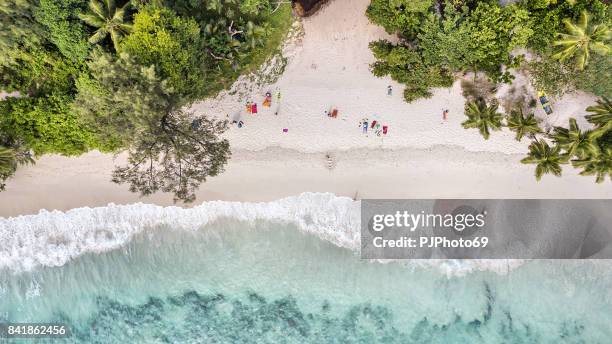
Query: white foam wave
x,y
52,238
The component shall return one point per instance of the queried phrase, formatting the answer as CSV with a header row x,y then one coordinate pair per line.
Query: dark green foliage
x,y
108,20
130,106
18,29
546,18
481,36
472,36
121,98
237,35
479,40
128,95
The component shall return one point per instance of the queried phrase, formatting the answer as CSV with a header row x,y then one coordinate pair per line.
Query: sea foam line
x,y
52,238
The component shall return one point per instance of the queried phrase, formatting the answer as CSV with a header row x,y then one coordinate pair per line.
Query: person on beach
x,y
389,90
268,100
445,115
365,127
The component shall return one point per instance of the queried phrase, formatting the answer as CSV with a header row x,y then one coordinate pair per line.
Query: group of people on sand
x,y
374,126
365,124
251,108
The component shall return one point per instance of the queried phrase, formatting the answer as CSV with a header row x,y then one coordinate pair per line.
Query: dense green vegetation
x,y
569,42
441,38
115,75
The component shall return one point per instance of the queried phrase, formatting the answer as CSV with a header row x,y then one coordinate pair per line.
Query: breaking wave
x,y
53,238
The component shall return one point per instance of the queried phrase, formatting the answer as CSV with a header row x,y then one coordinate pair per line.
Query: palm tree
x,y
601,115
104,15
580,39
482,117
522,125
547,159
574,141
598,165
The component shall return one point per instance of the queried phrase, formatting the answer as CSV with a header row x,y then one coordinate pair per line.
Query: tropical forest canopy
x,y
115,75
569,43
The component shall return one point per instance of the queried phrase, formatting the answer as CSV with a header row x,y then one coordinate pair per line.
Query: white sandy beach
x,y
420,157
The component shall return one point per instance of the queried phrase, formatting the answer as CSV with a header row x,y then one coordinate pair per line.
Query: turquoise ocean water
x,y
269,282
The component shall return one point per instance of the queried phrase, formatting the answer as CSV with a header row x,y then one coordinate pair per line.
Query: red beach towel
x,y
374,124
254,108
385,129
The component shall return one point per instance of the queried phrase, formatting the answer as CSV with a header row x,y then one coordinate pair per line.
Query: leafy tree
x,y
46,125
482,117
399,16
478,39
179,153
581,38
169,150
547,159
108,19
65,30
17,28
173,45
120,97
523,125
574,141
406,66
598,165
601,114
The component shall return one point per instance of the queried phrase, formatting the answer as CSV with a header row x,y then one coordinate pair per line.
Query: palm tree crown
x,y
522,125
109,19
598,165
601,114
581,38
482,117
576,142
547,159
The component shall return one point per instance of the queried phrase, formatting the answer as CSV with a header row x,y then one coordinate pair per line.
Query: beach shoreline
x,y
63,183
